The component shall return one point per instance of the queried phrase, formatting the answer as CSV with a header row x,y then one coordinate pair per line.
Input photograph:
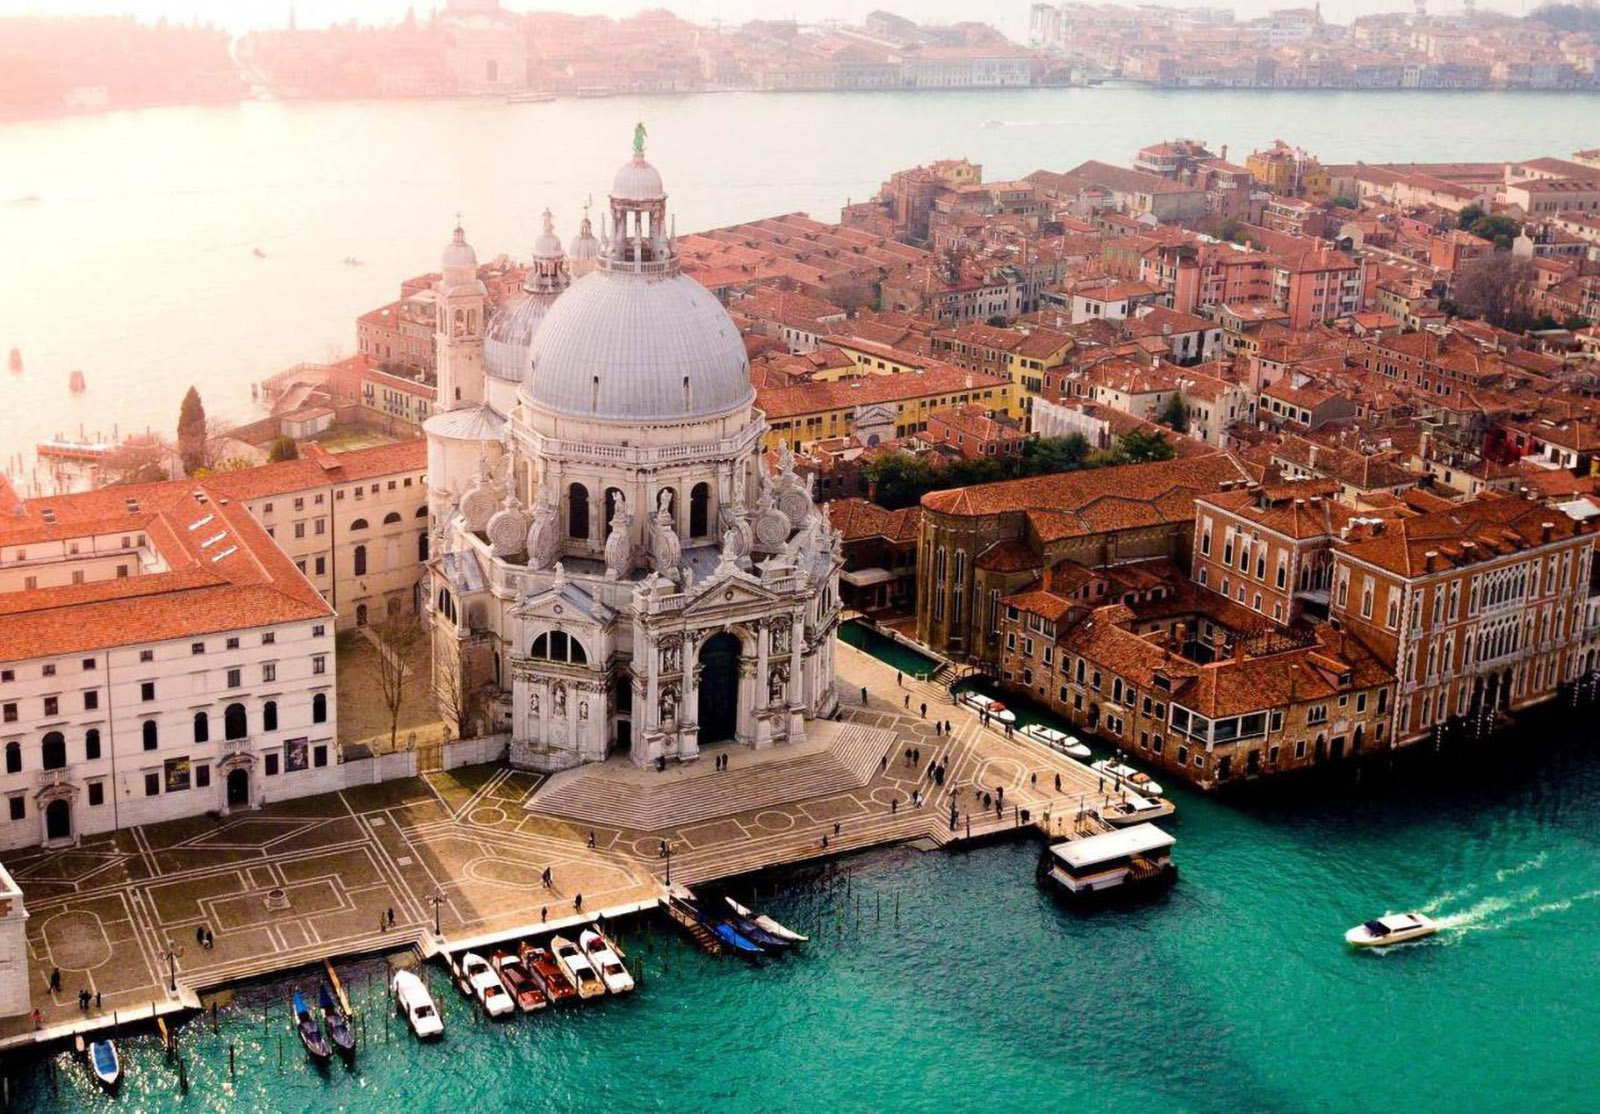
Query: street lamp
x,y
437,898
668,855
172,954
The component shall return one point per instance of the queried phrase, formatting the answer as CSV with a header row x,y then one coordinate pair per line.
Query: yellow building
x,y
878,407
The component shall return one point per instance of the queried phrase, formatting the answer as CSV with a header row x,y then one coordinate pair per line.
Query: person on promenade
x,y
591,839
883,764
544,913
863,696
836,827
55,978
1058,783
894,806
824,841
200,935
38,1018
908,701
899,680
577,903
924,712
391,916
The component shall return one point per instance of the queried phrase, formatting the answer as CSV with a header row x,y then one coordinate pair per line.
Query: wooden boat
x,y
16,360
412,999
336,1021
76,383
1056,740
557,987
576,966
753,932
530,98
1391,929
104,1063
989,707
524,991
767,924
305,1024
1126,775
1121,863
733,938
605,961
486,986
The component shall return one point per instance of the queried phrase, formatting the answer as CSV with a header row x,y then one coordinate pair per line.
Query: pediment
x,y
737,590
566,604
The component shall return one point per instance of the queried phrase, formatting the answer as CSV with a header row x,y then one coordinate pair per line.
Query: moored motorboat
x,y
336,1022
767,923
576,966
1056,740
1117,863
543,966
988,707
1390,929
486,985
1134,809
104,1063
605,960
411,998
1122,774
524,991
305,1024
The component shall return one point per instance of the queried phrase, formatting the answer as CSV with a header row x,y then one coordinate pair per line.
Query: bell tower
x,y
458,327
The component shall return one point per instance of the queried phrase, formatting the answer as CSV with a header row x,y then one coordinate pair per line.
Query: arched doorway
x,y
238,788
719,687
58,820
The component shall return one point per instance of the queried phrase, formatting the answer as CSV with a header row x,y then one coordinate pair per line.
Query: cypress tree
x,y
192,432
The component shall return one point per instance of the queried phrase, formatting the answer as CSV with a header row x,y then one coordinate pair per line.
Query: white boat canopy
x,y
1139,839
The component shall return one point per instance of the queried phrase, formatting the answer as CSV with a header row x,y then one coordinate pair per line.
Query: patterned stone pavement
x,y
298,881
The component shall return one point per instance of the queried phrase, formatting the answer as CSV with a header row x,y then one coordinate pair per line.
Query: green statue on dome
x,y
638,140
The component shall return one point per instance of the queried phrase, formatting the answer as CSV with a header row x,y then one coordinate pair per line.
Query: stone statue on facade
x,y
666,551
544,535
619,542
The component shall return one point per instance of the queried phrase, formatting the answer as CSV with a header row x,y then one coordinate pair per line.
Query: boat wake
x,y
1535,863
1480,914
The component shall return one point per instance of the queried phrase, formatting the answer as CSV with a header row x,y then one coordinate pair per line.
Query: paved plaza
x,y
292,883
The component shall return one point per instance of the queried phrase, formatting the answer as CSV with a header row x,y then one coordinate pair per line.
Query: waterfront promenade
x,y
294,883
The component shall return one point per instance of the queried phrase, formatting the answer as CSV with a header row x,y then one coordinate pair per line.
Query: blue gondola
x,y
758,935
735,939
336,1021
305,1024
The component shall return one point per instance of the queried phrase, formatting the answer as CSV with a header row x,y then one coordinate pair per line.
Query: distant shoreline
x,y
10,116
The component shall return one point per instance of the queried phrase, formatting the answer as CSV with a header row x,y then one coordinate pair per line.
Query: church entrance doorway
x,y
238,788
719,687
58,820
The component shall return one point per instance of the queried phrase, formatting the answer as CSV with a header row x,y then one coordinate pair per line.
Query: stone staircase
x,y
598,796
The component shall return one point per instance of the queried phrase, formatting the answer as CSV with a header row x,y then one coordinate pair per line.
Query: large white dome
x,y
637,347
637,181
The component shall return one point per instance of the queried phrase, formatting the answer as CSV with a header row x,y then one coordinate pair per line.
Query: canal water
x,y
959,985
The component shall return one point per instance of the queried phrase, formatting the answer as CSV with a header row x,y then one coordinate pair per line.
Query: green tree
x,y
192,432
1048,455
1343,202
900,479
1497,288
1176,415
1230,229
283,448
1139,446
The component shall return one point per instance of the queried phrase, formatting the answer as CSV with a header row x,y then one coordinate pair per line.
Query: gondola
x,y
724,928
337,1022
104,1063
767,924
753,932
305,1024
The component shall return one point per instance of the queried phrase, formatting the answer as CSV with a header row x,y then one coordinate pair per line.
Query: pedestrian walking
x,y
894,806
908,701
1033,778
863,696
836,827
55,978
200,934
924,709
212,940
947,727
1058,783
824,841
661,854
883,763
38,1018
97,999
591,838
1000,793
544,913
391,916
899,679
577,902
383,923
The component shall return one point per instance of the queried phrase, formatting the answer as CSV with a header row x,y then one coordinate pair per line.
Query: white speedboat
x,y
1134,809
486,986
605,960
989,707
411,998
1127,775
1391,928
1056,740
576,966
767,924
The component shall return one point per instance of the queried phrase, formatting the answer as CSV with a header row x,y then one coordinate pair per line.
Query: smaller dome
x,y
584,246
509,334
458,254
637,181
548,244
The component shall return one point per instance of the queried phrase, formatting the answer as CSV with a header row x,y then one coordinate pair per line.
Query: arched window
x,y
319,708
202,727
91,744
559,646
422,546
359,524
361,614
269,716
700,510
391,518
152,736
13,758
361,560
235,725
53,751
578,512
422,512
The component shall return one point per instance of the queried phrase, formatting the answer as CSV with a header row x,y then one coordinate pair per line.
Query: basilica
x,y
615,570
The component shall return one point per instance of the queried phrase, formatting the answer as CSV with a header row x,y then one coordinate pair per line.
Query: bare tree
x,y
451,693
1498,288
138,460
396,638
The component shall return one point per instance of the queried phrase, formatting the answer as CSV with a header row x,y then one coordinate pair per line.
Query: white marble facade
x,y
642,583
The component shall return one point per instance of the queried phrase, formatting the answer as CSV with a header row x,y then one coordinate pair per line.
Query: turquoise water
x,y
886,649
1234,993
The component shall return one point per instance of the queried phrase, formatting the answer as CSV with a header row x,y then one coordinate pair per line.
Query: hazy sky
x,y
1010,15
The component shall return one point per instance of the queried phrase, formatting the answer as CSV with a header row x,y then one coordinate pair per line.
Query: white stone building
x,y
160,657
615,571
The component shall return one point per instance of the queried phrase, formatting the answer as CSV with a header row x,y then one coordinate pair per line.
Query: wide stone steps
x,y
593,796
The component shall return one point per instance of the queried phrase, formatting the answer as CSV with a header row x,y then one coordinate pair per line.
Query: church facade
x,y
614,570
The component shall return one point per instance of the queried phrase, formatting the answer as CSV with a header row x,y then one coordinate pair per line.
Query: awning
x,y
863,578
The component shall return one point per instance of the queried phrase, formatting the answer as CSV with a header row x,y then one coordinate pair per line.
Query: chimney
x,y
1545,529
